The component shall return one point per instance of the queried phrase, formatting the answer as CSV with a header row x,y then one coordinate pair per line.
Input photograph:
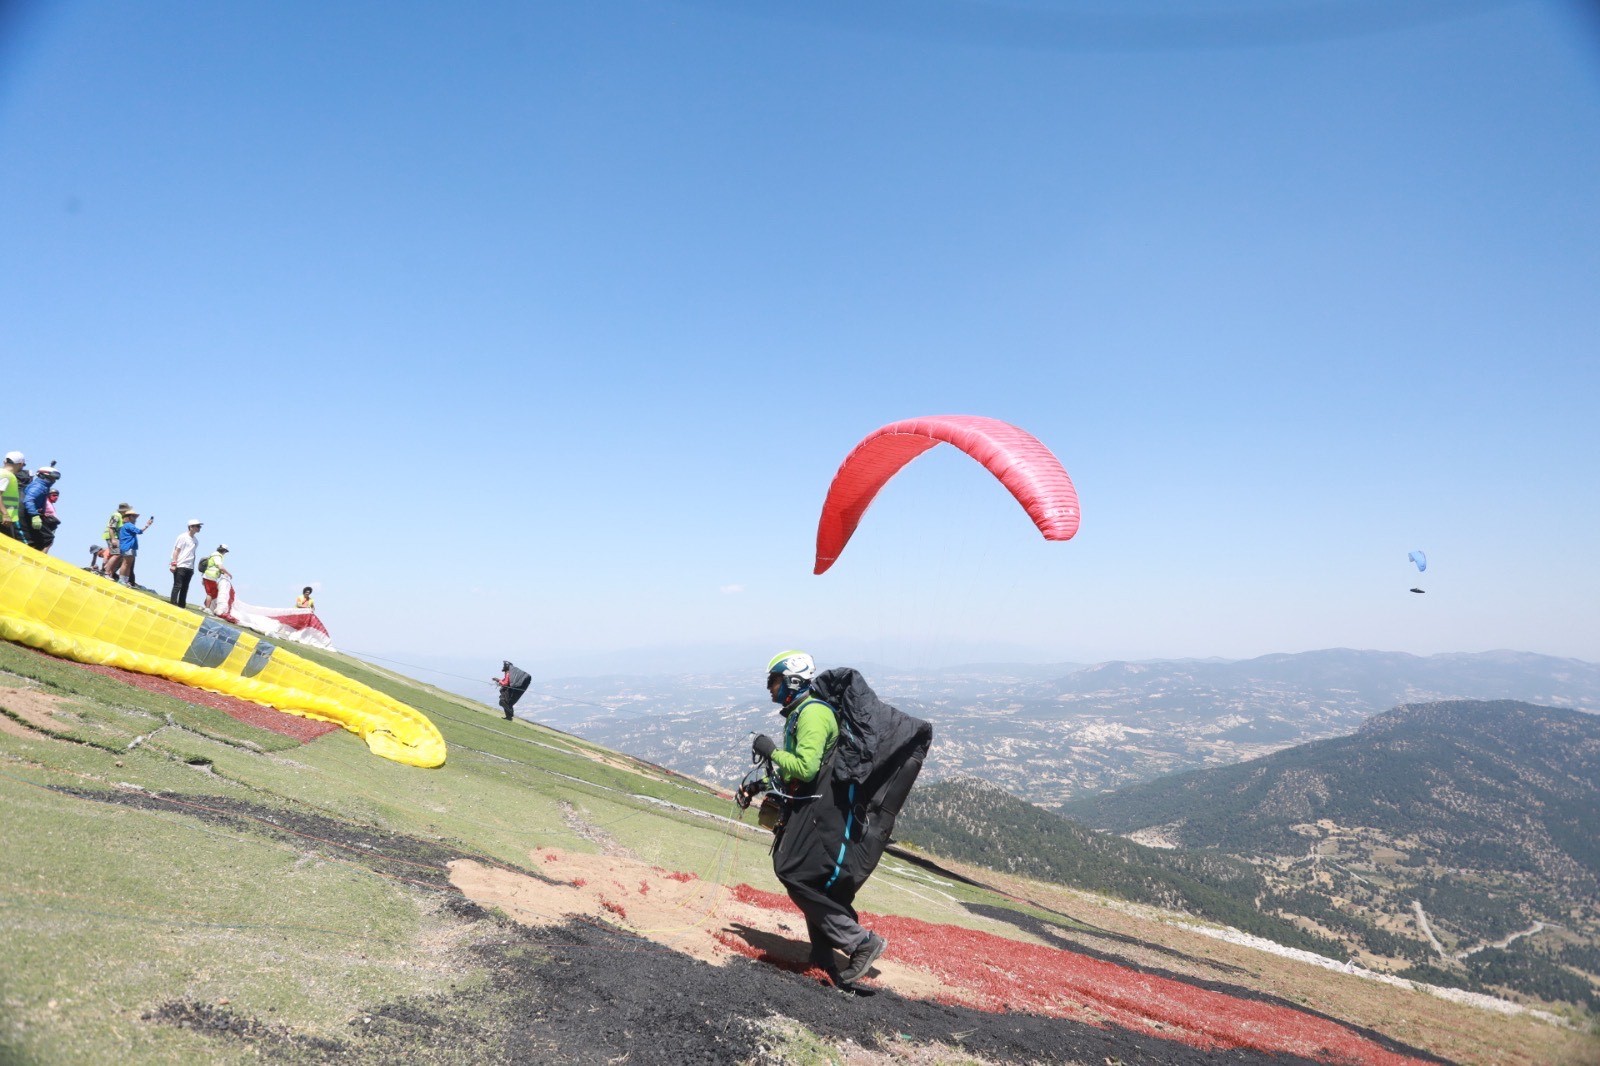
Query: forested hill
x,y
1456,842
973,821
1487,785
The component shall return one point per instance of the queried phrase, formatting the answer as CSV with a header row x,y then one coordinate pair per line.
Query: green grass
x,y
107,912
110,911
121,709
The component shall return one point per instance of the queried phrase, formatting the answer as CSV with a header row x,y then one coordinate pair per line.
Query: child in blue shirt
x,y
128,541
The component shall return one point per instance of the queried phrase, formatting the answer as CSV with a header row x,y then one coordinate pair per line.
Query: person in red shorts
x,y
212,571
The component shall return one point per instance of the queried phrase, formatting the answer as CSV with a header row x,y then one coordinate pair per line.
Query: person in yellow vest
x,y
212,571
113,539
11,495
304,600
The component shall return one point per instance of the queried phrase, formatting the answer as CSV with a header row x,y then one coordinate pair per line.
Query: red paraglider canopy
x,y
1024,466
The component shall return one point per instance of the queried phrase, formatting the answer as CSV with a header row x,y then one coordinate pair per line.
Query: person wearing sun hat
x,y
212,571
113,541
184,550
128,540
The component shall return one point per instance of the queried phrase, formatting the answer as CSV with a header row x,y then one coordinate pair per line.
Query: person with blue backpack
x,y
845,766
38,523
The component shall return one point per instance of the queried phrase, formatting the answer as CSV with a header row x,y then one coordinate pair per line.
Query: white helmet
x,y
793,672
49,473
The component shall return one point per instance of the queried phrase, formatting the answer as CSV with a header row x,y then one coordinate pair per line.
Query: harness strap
x,y
838,861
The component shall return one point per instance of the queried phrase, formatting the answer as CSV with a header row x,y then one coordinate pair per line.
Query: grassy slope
x,y
108,911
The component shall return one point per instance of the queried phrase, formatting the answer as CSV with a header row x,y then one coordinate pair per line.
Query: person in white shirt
x,y
182,565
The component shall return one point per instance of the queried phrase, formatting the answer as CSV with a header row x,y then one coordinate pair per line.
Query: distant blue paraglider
x,y
1421,562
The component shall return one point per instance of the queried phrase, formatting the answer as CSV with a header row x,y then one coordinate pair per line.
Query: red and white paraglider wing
x,y
283,623
1028,470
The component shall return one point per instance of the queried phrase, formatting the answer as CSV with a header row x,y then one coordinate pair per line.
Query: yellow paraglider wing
x,y
73,614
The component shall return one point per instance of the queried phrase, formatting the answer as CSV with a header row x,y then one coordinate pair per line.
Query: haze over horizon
x,y
539,331
717,666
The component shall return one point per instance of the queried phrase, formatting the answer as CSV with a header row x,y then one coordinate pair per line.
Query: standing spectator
x,y
184,550
212,571
11,496
304,601
34,501
113,542
46,537
128,540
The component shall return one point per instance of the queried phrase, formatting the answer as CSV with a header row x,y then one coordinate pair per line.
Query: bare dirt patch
x,y
34,708
951,966
586,830
676,909
609,959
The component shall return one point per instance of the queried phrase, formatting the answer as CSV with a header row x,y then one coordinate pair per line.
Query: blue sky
x,y
539,330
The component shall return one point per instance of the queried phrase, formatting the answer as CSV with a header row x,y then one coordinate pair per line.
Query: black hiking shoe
x,y
825,960
862,958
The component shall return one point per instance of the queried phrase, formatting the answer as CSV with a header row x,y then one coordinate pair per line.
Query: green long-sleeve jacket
x,y
808,735
10,495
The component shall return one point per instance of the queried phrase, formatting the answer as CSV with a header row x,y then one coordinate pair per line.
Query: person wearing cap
x,y
184,550
128,540
212,571
113,541
35,499
46,538
11,496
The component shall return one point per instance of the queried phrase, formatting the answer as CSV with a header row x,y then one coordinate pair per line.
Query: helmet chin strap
x,y
789,699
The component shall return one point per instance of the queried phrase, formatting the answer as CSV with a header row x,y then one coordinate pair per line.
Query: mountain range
x,y
1457,841
1055,733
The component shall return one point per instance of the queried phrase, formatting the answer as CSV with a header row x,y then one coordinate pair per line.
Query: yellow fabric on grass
x,y
73,614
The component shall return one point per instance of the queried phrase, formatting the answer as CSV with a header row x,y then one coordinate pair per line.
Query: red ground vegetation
x,y
1000,974
302,729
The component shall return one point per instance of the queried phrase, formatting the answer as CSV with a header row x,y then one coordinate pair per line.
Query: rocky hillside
x,y
1463,837
978,823
1481,785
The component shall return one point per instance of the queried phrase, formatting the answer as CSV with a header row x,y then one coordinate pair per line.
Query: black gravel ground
x,y
607,994
424,863
588,993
